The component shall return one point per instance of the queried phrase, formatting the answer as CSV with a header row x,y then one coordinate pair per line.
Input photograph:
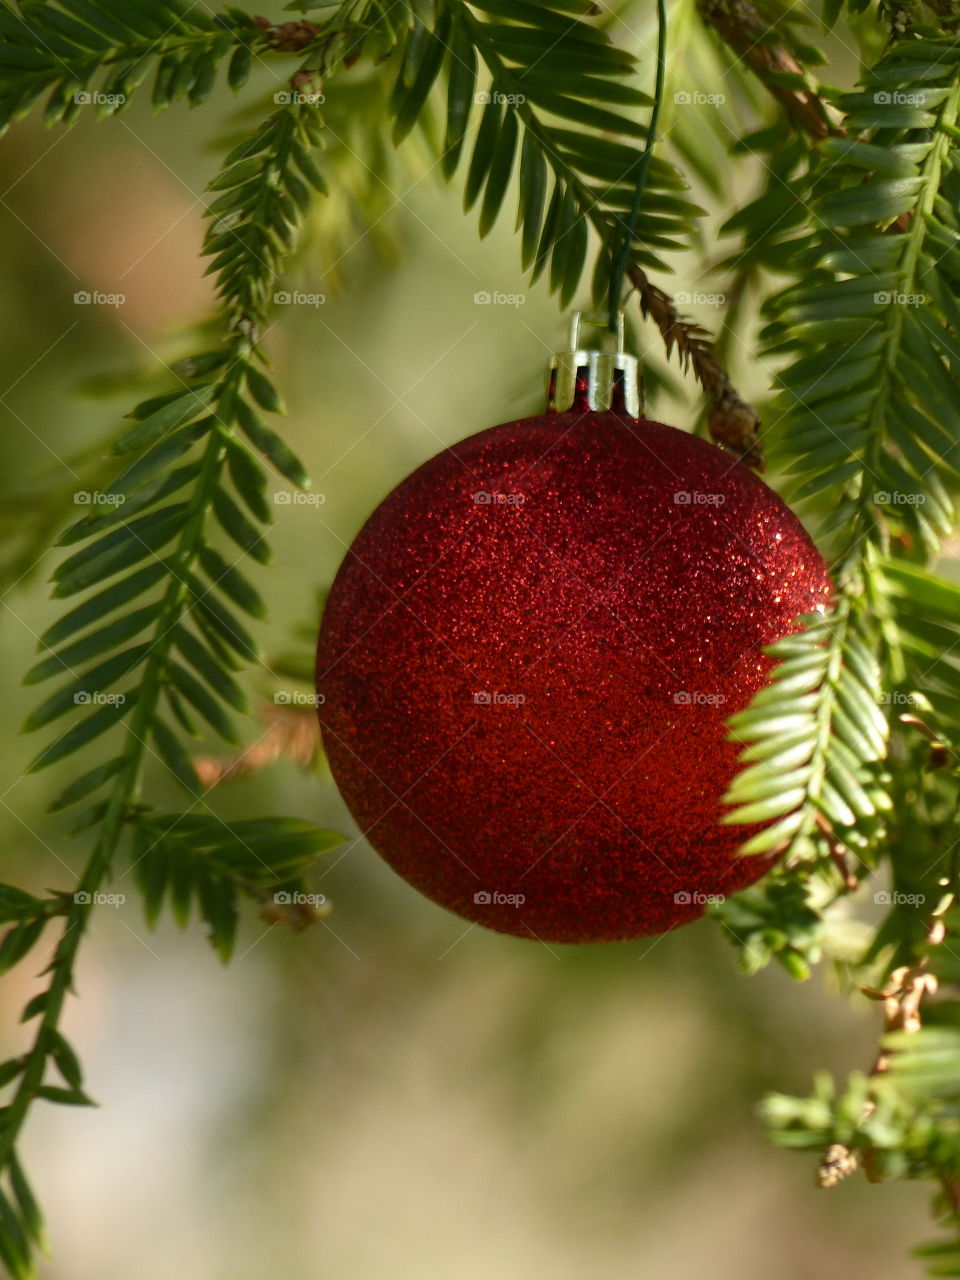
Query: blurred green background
x,y
391,1093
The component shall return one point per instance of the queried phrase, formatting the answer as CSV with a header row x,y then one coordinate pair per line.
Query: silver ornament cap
x,y
601,376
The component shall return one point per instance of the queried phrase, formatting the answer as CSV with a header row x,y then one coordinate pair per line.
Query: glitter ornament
x,y
529,653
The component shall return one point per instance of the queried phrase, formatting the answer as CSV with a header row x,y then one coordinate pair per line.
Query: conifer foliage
x,y
542,113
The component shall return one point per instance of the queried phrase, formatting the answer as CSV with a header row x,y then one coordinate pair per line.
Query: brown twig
x,y
741,28
289,37
292,734
940,753
838,853
732,422
901,1000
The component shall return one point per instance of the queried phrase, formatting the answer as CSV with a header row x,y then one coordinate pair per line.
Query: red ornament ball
x,y
527,659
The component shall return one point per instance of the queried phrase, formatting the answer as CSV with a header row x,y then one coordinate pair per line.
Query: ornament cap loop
x,y
593,377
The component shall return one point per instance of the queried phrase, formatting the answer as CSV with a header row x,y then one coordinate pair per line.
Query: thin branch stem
x,y
740,27
732,422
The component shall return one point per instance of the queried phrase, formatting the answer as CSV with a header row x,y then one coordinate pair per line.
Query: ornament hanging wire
x,y
619,266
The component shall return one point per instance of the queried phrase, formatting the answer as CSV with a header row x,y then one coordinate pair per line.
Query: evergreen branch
x,y
97,52
865,418
570,180
867,400
195,638
814,739
869,385
151,647
528,69
901,16
901,1120
775,920
925,626
919,847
